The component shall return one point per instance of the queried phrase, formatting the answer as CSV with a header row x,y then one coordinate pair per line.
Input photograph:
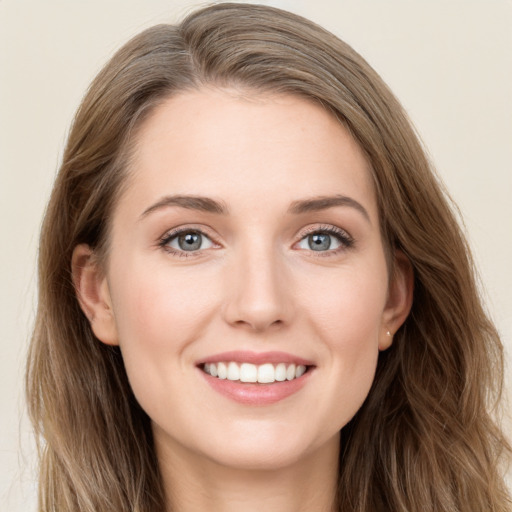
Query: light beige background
x,y
450,63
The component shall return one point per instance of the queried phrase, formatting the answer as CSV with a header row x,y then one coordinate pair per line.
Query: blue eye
x,y
319,242
323,240
187,241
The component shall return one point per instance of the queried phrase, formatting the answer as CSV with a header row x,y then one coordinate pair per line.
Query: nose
x,y
259,293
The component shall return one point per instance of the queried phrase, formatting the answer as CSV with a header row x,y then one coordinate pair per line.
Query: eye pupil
x,y
319,242
189,241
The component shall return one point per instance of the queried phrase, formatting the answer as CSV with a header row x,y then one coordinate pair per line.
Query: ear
x,y
399,301
93,294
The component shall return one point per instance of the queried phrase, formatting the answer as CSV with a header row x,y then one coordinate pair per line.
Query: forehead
x,y
246,146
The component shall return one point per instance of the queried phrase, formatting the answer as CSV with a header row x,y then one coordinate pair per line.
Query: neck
x,y
193,483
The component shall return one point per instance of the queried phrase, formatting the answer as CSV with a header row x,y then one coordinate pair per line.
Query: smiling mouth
x,y
267,373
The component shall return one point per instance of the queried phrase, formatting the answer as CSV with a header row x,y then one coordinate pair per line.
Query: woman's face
x,y
247,240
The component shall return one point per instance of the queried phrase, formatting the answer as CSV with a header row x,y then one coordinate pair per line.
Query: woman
x,y
253,292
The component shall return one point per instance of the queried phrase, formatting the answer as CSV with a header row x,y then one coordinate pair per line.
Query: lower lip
x,y
256,394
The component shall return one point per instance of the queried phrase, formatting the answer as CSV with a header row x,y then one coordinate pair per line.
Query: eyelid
x,y
344,237
323,228
185,228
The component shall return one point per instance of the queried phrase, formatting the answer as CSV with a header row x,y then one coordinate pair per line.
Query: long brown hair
x,y
425,438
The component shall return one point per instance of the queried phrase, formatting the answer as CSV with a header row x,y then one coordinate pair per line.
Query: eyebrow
x,y
320,203
209,205
203,204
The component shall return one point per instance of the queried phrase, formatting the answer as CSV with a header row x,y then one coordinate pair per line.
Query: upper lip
x,y
242,356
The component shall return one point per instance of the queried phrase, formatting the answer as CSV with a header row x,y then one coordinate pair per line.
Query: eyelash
x,y
345,240
171,235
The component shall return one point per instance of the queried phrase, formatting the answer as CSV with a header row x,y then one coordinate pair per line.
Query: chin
x,y
275,447
257,458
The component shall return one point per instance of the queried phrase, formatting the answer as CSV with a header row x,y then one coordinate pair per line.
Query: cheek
x,y
158,314
346,315
155,306
347,306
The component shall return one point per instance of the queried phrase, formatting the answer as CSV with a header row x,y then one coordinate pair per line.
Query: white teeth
x,y
222,371
266,373
301,369
281,372
247,372
233,372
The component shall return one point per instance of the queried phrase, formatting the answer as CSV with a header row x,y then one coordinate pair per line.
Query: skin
x,y
255,285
